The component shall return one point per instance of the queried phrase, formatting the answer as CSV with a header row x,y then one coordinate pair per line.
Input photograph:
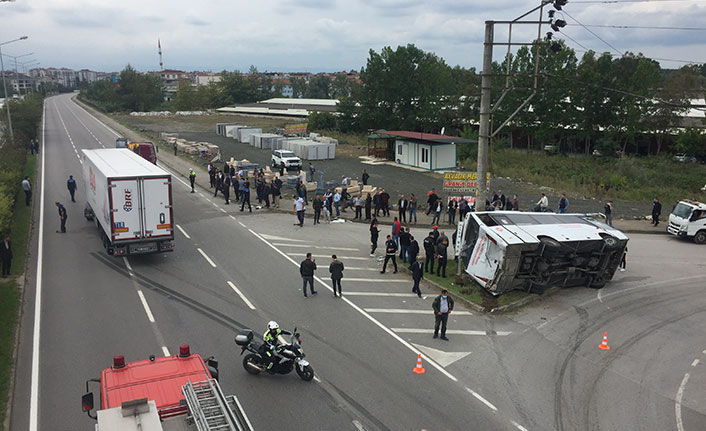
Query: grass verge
x,y
10,294
472,291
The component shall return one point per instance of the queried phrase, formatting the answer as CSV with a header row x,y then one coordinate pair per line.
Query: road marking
x,y
317,246
245,300
359,426
704,352
165,351
677,402
695,363
183,232
208,259
440,356
214,204
128,266
450,331
483,400
34,391
518,426
408,311
317,379
279,238
241,224
392,294
146,306
201,194
222,210
363,313
373,280
358,268
84,125
340,257
97,120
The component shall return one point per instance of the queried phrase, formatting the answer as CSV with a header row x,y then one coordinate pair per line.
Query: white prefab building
x,y
265,140
422,150
245,133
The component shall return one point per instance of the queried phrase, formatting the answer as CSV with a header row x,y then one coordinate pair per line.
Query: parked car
x,y
291,161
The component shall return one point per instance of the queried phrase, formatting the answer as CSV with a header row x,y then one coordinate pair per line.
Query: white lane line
x,y
208,259
146,306
373,280
34,391
214,204
364,314
232,216
356,423
358,268
245,300
677,402
393,294
340,257
201,194
183,232
695,363
96,119
317,379
317,246
704,352
222,210
188,186
483,400
449,331
165,351
84,125
409,311
241,224
518,426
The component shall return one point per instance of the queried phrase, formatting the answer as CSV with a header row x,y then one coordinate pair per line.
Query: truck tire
x,y
549,243
700,237
598,283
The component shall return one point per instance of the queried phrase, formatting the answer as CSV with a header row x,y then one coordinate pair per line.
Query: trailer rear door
x,y
157,205
125,219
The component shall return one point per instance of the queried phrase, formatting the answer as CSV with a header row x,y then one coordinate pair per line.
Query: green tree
x,y
319,120
138,92
318,88
187,97
692,142
298,87
340,87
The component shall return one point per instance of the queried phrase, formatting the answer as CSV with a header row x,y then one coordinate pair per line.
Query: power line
x,y
644,27
598,37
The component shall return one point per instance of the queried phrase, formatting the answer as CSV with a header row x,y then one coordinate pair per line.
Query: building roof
x,y
309,102
425,137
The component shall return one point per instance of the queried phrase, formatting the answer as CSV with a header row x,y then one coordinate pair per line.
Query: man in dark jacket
x,y
336,270
402,206
413,250
429,251
442,256
390,252
442,306
417,269
376,203
6,255
62,217
318,205
226,188
374,233
365,177
385,202
71,185
656,211
431,201
405,240
306,269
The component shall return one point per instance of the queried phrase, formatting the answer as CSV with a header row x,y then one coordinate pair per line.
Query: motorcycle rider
x,y
268,350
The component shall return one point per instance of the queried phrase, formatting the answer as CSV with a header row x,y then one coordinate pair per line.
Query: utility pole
x,y
485,86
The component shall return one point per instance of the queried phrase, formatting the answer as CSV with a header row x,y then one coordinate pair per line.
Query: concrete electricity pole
x,y
4,87
485,86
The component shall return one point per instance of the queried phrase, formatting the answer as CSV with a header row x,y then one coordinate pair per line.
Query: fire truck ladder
x,y
210,410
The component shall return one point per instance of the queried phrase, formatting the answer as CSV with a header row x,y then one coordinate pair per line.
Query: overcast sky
x,y
319,35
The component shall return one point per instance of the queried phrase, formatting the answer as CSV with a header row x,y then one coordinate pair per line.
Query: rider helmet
x,y
272,325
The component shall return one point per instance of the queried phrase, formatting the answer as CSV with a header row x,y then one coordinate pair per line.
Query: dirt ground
x,y
396,180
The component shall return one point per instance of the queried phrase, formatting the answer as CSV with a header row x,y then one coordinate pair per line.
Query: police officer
x,y
71,185
268,350
429,251
192,178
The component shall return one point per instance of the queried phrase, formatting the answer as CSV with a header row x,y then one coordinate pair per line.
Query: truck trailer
x,y
130,201
173,393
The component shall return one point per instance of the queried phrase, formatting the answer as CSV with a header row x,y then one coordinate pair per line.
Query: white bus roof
x,y
121,162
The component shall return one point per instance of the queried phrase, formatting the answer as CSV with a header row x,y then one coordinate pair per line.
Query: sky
x,y
323,35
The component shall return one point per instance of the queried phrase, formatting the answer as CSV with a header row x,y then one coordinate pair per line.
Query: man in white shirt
x,y
27,187
543,203
299,207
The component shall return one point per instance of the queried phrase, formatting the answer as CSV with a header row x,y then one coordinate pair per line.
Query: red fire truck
x,y
174,393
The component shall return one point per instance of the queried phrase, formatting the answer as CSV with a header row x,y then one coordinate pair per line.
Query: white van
x,y
688,219
508,250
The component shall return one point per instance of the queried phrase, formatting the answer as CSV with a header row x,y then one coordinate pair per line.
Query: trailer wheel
x,y
700,237
598,283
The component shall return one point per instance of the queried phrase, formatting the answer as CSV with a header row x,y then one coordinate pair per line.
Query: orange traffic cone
x,y
604,345
419,369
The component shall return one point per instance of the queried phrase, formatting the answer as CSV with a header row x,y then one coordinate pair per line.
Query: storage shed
x,y
226,129
245,133
265,140
310,150
421,150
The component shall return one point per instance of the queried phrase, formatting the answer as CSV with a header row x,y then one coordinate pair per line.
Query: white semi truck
x,y
688,220
130,200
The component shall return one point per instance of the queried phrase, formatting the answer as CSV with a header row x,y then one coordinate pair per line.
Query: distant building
x,y
206,78
421,150
286,86
68,78
283,107
170,81
18,83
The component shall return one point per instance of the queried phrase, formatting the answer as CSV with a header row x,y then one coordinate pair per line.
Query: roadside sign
x,y
463,182
295,128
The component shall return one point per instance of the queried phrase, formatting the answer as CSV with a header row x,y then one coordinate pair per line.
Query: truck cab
x,y
688,220
161,394
146,150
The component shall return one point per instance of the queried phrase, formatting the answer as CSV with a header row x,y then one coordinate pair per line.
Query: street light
x,y
28,63
17,78
4,86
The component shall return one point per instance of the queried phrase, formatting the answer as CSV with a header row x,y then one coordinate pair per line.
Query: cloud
x,y
192,20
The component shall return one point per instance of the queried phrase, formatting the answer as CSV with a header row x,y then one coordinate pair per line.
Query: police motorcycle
x,y
289,355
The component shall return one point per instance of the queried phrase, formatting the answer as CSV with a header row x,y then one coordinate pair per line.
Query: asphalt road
x,y
538,369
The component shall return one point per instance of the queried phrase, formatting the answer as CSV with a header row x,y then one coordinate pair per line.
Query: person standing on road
x,y
276,191
374,234
27,187
413,250
438,208
442,257
337,203
376,203
515,203
656,211
299,208
327,208
71,185
452,211
431,201
245,195
192,179
211,175
175,148
365,177
385,203
368,206
563,204
390,252
417,269
412,208
318,205
62,217
6,255
359,202
226,188
336,270
396,229
405,240
281,169
443,305
608,211
218,181
306,269
429,251
402,205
